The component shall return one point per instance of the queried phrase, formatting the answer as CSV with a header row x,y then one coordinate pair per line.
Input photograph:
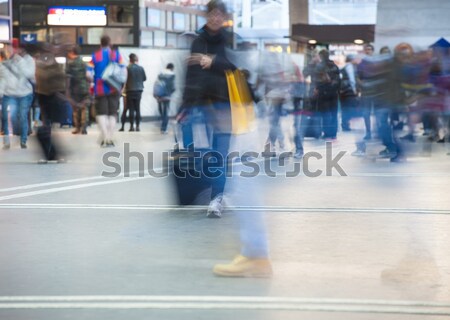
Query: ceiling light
x,y
312,42
358,41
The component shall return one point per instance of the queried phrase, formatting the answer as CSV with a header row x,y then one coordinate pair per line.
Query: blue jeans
x,y
19,105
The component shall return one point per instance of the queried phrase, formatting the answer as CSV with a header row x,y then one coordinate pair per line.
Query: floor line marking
x,y
194,298
228,306
228,208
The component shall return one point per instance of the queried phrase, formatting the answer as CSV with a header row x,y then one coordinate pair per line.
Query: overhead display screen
x,y
76,16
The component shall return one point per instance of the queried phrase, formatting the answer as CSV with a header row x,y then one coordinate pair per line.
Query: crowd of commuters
x,y
398,88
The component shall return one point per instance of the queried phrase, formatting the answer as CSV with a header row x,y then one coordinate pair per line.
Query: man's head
x,y
170,66
324,55
133,58
217,14
105,41
73,52
369,49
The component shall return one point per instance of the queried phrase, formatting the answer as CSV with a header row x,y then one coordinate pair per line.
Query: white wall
x,y
418,22
154,61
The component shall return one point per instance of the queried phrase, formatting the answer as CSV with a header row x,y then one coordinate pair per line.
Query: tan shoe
x,y
245,267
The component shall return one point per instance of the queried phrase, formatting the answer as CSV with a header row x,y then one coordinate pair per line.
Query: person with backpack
x,y
133,88
162,90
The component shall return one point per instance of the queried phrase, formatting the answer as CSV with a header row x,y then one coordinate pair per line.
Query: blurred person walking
x,y
367,82
50,89
207,90
17,77
166,81
107,97
326,91
133,88
348,92
77,89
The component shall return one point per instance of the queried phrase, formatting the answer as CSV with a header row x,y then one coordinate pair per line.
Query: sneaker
x,y
76,131
121,129
103,144
245,267
138,129
386,153
298,155
359,153
367,137
6,146
131,129
42,161
110,143
215,207
23,145
84,131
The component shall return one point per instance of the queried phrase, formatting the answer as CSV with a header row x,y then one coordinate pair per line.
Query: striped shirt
x,y
99,62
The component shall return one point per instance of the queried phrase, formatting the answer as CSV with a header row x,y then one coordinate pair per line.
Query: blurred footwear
x,y
298,155
386,153
103,144
367,137
359,153
84,131
121,129
131,129
215,207
110,143
42,161
409,137
138,129
23,145
6,146
76,131
245,267
398,159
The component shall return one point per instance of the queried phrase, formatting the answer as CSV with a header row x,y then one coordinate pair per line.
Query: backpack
x,y
159,89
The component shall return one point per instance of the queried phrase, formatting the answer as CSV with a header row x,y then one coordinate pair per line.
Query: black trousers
x,y
134,106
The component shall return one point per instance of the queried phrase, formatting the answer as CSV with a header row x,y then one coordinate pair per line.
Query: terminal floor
x,y
371,244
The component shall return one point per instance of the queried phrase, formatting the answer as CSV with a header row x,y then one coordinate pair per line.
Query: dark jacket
x,y
205,86
328,80
136,78
78,84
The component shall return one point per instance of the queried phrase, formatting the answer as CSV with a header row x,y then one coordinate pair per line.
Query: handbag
x,y
115,74
242,108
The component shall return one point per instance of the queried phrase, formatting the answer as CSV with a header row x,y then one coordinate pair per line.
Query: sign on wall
x,y
76,16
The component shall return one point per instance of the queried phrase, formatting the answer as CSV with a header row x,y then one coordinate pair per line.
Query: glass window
x,y
201,21
33,15
119,15
179,21
63,34
4,7
172,40
4,30
159,39
119,36
146,38
153,18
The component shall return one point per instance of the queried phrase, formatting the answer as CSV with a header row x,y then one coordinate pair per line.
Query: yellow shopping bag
x,y
242,109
